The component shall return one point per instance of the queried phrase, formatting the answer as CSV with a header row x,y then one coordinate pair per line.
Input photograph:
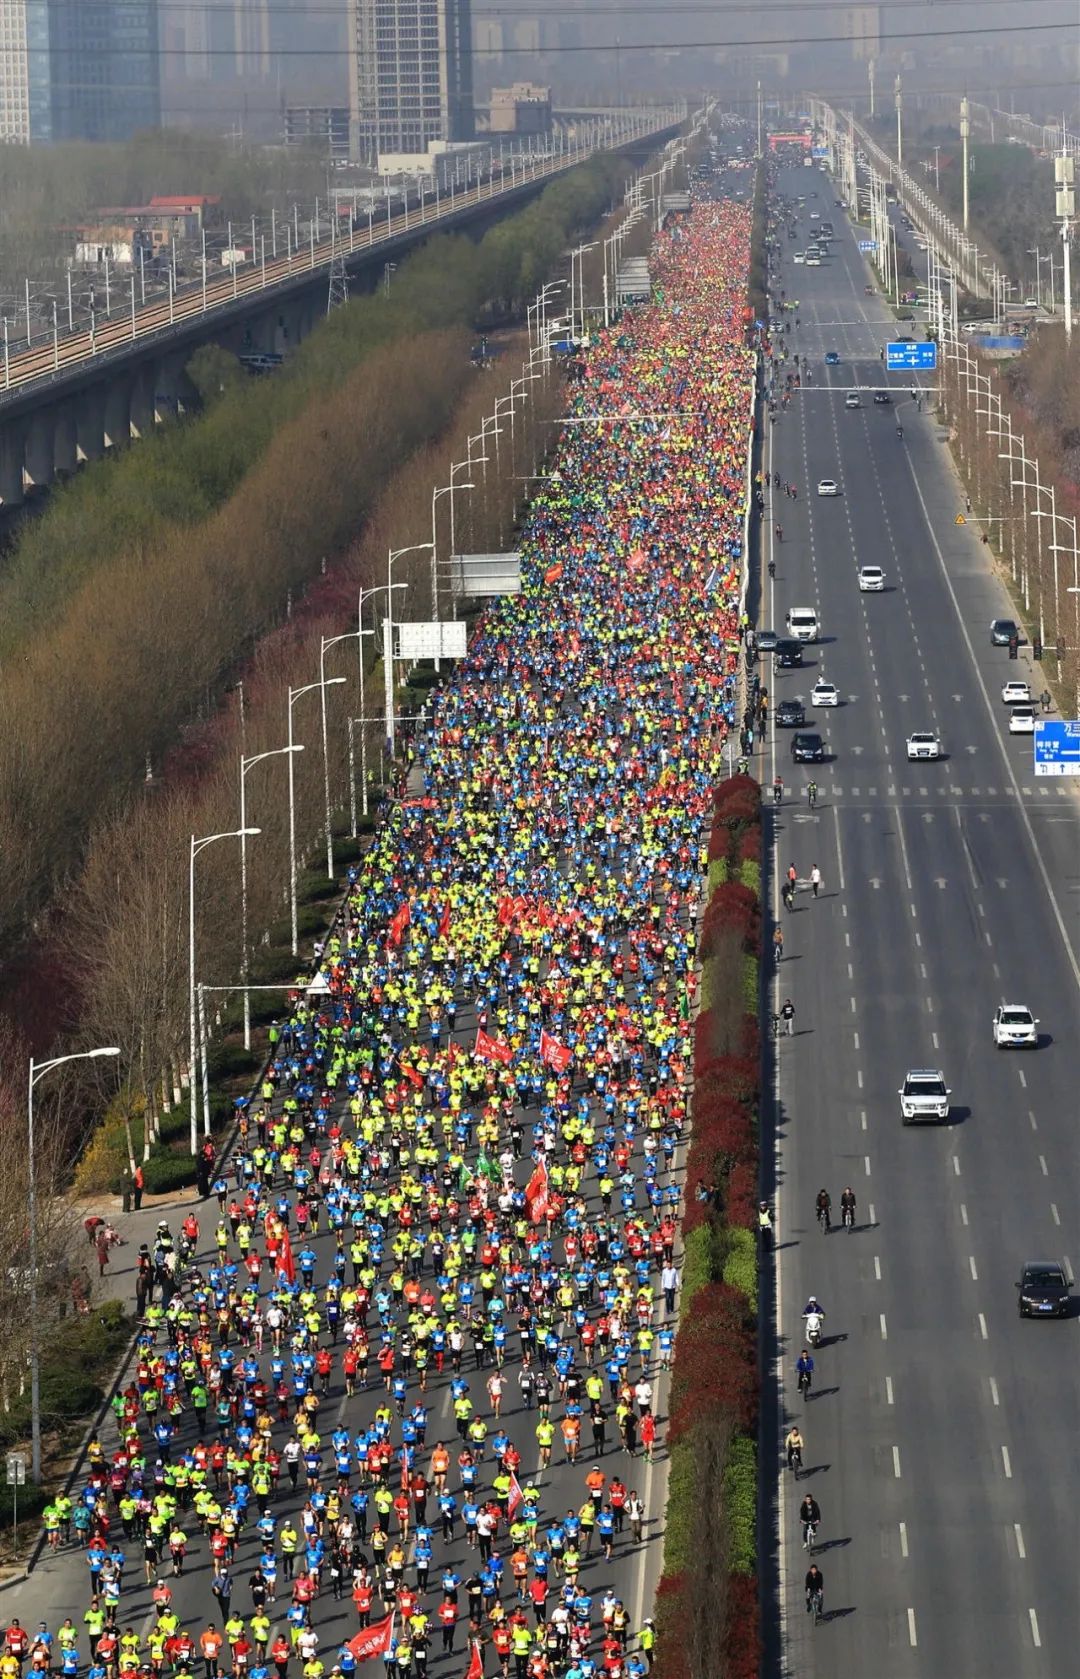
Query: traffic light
x,y
1036,647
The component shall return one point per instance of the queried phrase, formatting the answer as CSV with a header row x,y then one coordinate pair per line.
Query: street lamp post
x,y
446,490
327,642
393,554
294,695
198,845
245,765
37,1071
366,595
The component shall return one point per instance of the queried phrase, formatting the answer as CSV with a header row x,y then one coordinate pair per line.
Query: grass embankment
x,y
708,1614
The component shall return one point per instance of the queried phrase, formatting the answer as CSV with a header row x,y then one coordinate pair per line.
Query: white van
x,y
802,623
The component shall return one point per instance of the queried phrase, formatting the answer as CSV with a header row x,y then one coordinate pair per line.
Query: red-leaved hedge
x,y
715,1361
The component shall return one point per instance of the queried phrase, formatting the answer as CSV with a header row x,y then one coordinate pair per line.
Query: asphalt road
x,y
940,1432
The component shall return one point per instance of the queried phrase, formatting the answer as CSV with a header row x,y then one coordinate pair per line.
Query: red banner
x,y
553,572
492,1049
286,1263
536,1193
553,1053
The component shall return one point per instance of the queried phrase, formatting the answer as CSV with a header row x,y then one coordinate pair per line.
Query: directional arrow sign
x,y
875,884
856,750
903,696
939,882
971,749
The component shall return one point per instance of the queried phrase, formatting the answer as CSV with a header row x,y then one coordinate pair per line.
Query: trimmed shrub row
x,y
707,1603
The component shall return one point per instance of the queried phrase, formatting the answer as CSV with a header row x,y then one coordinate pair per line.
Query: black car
x,y
882,398
766,640
1002,631
1043,1290
788,653
807,749
790,714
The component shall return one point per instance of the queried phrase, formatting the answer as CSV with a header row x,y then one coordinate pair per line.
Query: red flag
x,y
536,1192
506,910
636,560
415,1078
554,1053
444,920
286,1263
515,1496
375,1640
399,924
491,1049
553,572
475,1669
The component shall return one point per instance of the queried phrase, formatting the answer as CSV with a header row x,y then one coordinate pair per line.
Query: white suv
x,y
1014,1027
923,1095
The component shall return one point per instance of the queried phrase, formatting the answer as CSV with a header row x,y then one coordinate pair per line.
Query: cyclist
x,y
823,1208
899,431
815,1591
847,1208
811,794
778,944
764,1221
810,1517
779,532
804,1367
793,1445
777,789
772,568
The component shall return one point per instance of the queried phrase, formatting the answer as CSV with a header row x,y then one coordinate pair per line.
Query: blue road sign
x,y
1057,747
909,358
868,244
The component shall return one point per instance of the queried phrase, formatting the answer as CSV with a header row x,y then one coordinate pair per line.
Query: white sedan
x,y
828,487
1016,693
824,693
871,579
1014,1027
924,744
1022,720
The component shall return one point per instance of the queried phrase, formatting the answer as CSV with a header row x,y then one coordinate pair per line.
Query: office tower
x,y
411,74
78,69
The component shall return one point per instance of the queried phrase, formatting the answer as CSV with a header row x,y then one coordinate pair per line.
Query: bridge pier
x,y
12,453
39,456
65,442
118,412
142,402
89,408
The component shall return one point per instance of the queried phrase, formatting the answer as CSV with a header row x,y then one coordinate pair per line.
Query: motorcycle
x,y
814,1321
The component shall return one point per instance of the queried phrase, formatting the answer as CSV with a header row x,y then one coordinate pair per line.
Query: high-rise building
x,y
411,74
78,69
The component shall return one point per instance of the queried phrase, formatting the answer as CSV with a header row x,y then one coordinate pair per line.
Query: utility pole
x,y
899,123
870,71
937,168
1064,175
759,119
965,131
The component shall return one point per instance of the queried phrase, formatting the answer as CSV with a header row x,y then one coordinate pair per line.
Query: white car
x,y
824,693
1016,693
871,579
798,257
1014,1027
924,744
813,260
828,487
924,1095
1022,720
852,400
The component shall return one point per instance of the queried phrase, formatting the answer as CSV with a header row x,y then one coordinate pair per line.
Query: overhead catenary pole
x,y
965,132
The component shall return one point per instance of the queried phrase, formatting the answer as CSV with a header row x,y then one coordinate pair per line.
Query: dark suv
x,y
807,749
1043,1290
788,653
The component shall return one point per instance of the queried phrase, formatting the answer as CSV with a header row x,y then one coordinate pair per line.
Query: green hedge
x,y
740,1265
169,1170
77,1359
740,1500
682,1497
750,875
717,874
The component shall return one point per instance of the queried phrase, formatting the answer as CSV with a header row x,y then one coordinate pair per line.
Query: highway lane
x,y
986,1536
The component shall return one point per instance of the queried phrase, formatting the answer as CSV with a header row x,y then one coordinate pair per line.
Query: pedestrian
x,y
815,879
787,1015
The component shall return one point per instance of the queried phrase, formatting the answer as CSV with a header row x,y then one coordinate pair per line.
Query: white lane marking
x,y
956,1165
873,1216
963,1213
852,1005
1021,1075
974,1273
884,1328
839,854
1033,1121
1070,954
903,1539
896,1461
1054,1214
1042,1166
866,1164
858,1077
862,1120
994,1395
877,1269
1034,1619
1005,1463
904,853
912,1635
982,1327
888,1391
1020,1548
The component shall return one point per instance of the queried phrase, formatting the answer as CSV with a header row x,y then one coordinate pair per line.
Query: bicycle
x,y
847,1218
794,1459
776,1026
811,795
815,1604
805,1379
824,1218
809,1529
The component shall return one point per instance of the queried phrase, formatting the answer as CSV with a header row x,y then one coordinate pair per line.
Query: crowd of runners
x,y
401,1394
